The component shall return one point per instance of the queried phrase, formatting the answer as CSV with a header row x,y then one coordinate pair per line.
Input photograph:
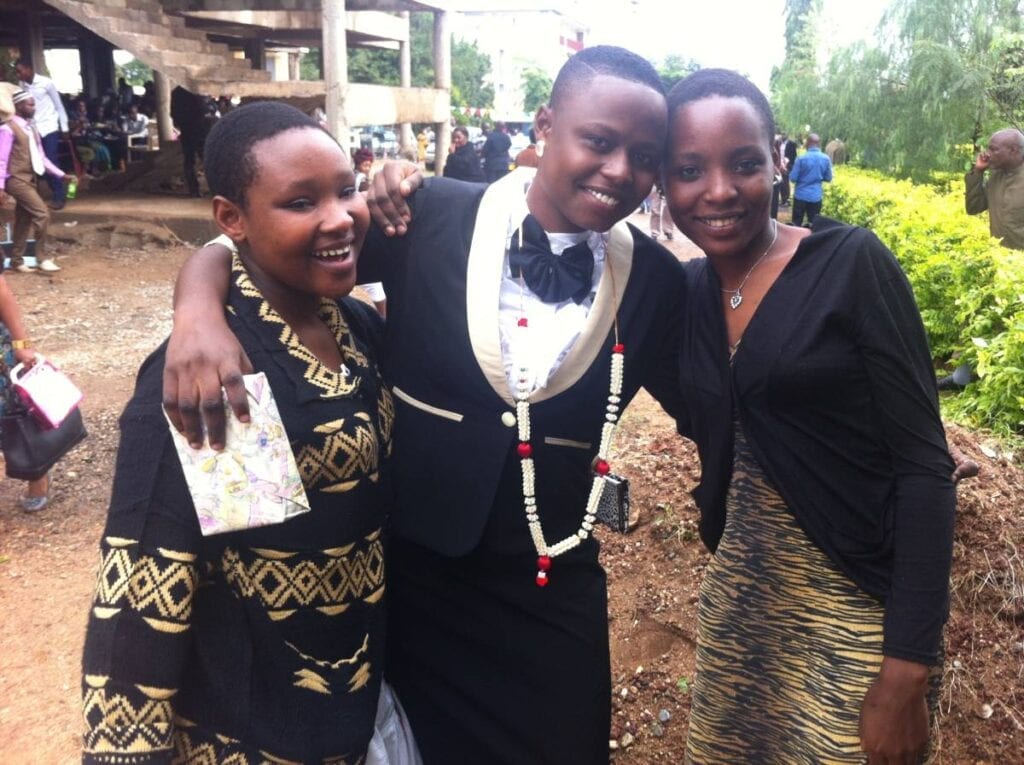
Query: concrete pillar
x,y
256,51
106,70
335,57
406,140
294,70
87,60
97,61
442,81
30,42
163,106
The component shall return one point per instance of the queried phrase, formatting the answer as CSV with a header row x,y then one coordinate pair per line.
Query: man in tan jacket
x,y
22,161
1002,192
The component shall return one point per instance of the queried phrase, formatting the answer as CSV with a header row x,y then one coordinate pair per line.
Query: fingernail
x,y
196,444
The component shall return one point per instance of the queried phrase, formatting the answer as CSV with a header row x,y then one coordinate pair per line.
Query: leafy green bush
x,y
969,288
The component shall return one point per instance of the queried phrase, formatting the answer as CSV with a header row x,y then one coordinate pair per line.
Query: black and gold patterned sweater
x,y
262,645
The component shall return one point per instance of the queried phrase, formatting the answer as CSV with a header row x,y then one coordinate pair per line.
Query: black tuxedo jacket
x,y
457,475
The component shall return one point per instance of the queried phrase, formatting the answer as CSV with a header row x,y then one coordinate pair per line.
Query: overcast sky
x,y
746,35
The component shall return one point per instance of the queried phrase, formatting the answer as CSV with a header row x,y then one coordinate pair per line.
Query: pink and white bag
x,y
46,391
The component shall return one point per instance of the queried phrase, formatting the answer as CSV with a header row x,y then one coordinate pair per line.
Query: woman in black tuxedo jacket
x,y
510,366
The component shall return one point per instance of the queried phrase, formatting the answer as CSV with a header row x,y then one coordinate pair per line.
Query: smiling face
x,y
718,176
603,146
303,221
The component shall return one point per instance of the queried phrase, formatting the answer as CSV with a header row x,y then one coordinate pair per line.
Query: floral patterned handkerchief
x,y
254,481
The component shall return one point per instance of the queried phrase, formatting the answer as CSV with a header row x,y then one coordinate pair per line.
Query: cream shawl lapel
x,y
505,202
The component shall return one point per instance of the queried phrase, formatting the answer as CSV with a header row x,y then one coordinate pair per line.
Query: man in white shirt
x,y
51,121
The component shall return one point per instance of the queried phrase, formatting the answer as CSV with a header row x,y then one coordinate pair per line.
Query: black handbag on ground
x,y
31,448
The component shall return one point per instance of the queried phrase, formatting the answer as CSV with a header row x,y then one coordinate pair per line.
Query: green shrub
x,y
969,288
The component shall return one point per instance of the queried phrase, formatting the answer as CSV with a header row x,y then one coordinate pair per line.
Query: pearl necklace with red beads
x,y
601,468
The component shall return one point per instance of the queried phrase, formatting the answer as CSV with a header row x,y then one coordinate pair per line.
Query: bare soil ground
x,y
110,306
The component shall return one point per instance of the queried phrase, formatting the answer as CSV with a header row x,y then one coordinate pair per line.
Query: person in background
x,y
188,111
812,168
826,490
661,218
362,159
15,347
495,153
22,161
788,159
51,122
529,157
835,150
1002,193
135,128
463,164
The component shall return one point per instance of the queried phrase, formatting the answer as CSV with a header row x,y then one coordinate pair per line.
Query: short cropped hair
x,y
726,83
460,129
228,157
608,60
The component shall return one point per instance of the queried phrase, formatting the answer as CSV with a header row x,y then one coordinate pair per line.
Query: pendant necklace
x,y
600,466
737,296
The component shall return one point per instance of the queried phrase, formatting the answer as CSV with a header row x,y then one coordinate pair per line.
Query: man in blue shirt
x,y
811,169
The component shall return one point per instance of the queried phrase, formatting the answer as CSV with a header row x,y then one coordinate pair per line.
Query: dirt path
x,y
111,305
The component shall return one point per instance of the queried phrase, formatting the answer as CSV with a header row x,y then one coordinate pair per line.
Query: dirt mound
x,y
127,235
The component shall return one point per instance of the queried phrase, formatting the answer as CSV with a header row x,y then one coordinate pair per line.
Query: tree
x,y
938,81
470,68
309,65
674,68
134,72
373,66
536,89
1007,88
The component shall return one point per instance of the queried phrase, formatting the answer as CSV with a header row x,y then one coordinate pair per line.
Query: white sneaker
x,y
24,269
49,266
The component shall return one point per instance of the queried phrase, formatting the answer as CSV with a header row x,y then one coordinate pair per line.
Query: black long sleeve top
x,y
834,387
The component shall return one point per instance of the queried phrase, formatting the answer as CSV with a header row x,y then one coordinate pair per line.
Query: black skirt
x,y
492,668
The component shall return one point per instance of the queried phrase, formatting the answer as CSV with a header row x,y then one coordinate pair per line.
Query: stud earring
x,y
540,147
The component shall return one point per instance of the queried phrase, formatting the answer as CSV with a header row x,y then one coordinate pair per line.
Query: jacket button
x,y
507,418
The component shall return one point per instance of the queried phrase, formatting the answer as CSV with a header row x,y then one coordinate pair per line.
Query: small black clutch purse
x,y
613,507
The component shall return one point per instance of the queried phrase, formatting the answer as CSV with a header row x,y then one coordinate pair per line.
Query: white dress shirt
x,y
552,328
50,115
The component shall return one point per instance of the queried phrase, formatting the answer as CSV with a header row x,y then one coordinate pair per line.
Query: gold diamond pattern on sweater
x,y
328,584
331,382
349,451
160,586
117,723
188,750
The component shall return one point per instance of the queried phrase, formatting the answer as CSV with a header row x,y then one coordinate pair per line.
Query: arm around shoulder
x,y
203,354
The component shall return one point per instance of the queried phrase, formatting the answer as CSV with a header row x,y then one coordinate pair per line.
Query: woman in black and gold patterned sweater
x,y
263,644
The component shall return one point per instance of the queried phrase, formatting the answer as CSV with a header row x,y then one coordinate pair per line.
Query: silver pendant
x,y
344,370
735,300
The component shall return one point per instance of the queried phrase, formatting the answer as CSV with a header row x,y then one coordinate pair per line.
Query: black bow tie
x,y
553,278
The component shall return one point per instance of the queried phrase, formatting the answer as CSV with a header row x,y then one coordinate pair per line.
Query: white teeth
x,y
332,253
604,199
720,222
